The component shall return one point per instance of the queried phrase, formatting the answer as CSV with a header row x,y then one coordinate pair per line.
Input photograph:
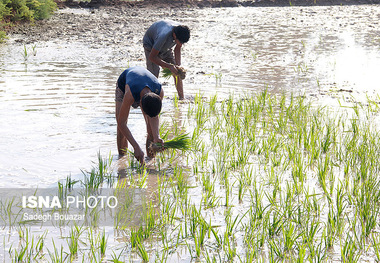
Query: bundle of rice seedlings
x,y
166,73
181,142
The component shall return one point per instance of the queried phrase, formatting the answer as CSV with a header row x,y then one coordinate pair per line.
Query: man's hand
x,y
173,69
139,154
159,149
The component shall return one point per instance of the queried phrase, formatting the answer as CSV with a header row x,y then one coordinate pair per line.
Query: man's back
x,y
160,36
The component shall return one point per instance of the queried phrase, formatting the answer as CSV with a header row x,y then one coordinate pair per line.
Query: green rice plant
x,y
69,183
323,169
200,237
227,188
289,236
93,243
116,258
8,216
331,229
229,248
180,186
212,104
340,200
276,250
375,242
149,219
210,199
218,77
274,224
241,190
206,256
34,50
349,250
175,100
99,174
181,142
318,253
57,255
257,210
302,254
73,241
40,245
141,250
25,53
166,73
28,250
20,255
218,238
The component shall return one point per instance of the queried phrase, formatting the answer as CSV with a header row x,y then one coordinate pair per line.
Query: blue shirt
x,y
160,36
137,79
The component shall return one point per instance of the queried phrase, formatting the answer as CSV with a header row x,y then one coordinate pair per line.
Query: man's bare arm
x,y
122,122
177,54
153,56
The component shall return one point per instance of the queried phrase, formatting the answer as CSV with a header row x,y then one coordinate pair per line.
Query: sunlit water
x,y
57,104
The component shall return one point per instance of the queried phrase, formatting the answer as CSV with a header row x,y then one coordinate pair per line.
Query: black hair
x,y
151,104
182,33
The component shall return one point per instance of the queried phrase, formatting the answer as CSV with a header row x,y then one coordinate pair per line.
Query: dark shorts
x,y
119,96
168,57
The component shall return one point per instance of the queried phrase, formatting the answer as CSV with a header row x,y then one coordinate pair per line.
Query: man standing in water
x,y
135,87
158,42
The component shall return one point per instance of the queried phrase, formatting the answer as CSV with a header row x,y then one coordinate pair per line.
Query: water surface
x,y
57,103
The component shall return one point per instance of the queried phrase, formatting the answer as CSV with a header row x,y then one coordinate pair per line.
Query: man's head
x,y
151,104
182,33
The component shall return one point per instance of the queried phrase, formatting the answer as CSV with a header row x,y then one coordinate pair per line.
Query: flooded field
x,y
57,82
57,105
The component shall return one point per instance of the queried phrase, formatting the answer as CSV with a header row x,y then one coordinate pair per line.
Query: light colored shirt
x,y
160,36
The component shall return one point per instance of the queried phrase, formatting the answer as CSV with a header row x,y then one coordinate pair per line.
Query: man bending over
x,y
135,87
158,42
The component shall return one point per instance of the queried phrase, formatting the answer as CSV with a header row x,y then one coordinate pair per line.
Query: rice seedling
x,y
73,241
57,255
8,215
116,258
180,142
25,53
269,178
375,242
142,252
34,50
166,73
349,250
103,243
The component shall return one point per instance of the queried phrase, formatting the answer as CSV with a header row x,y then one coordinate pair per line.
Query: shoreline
x,y
213,4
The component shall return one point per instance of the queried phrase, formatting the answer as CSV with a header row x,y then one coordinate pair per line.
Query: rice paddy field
x,y
282,164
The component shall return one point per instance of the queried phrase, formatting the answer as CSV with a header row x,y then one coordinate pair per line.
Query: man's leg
x,y
179,87
169,58
122,142
152,67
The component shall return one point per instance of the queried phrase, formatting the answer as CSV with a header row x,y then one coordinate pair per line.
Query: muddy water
x,y
57,99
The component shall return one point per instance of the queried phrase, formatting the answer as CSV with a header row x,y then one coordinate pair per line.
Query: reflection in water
x,y
57,108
